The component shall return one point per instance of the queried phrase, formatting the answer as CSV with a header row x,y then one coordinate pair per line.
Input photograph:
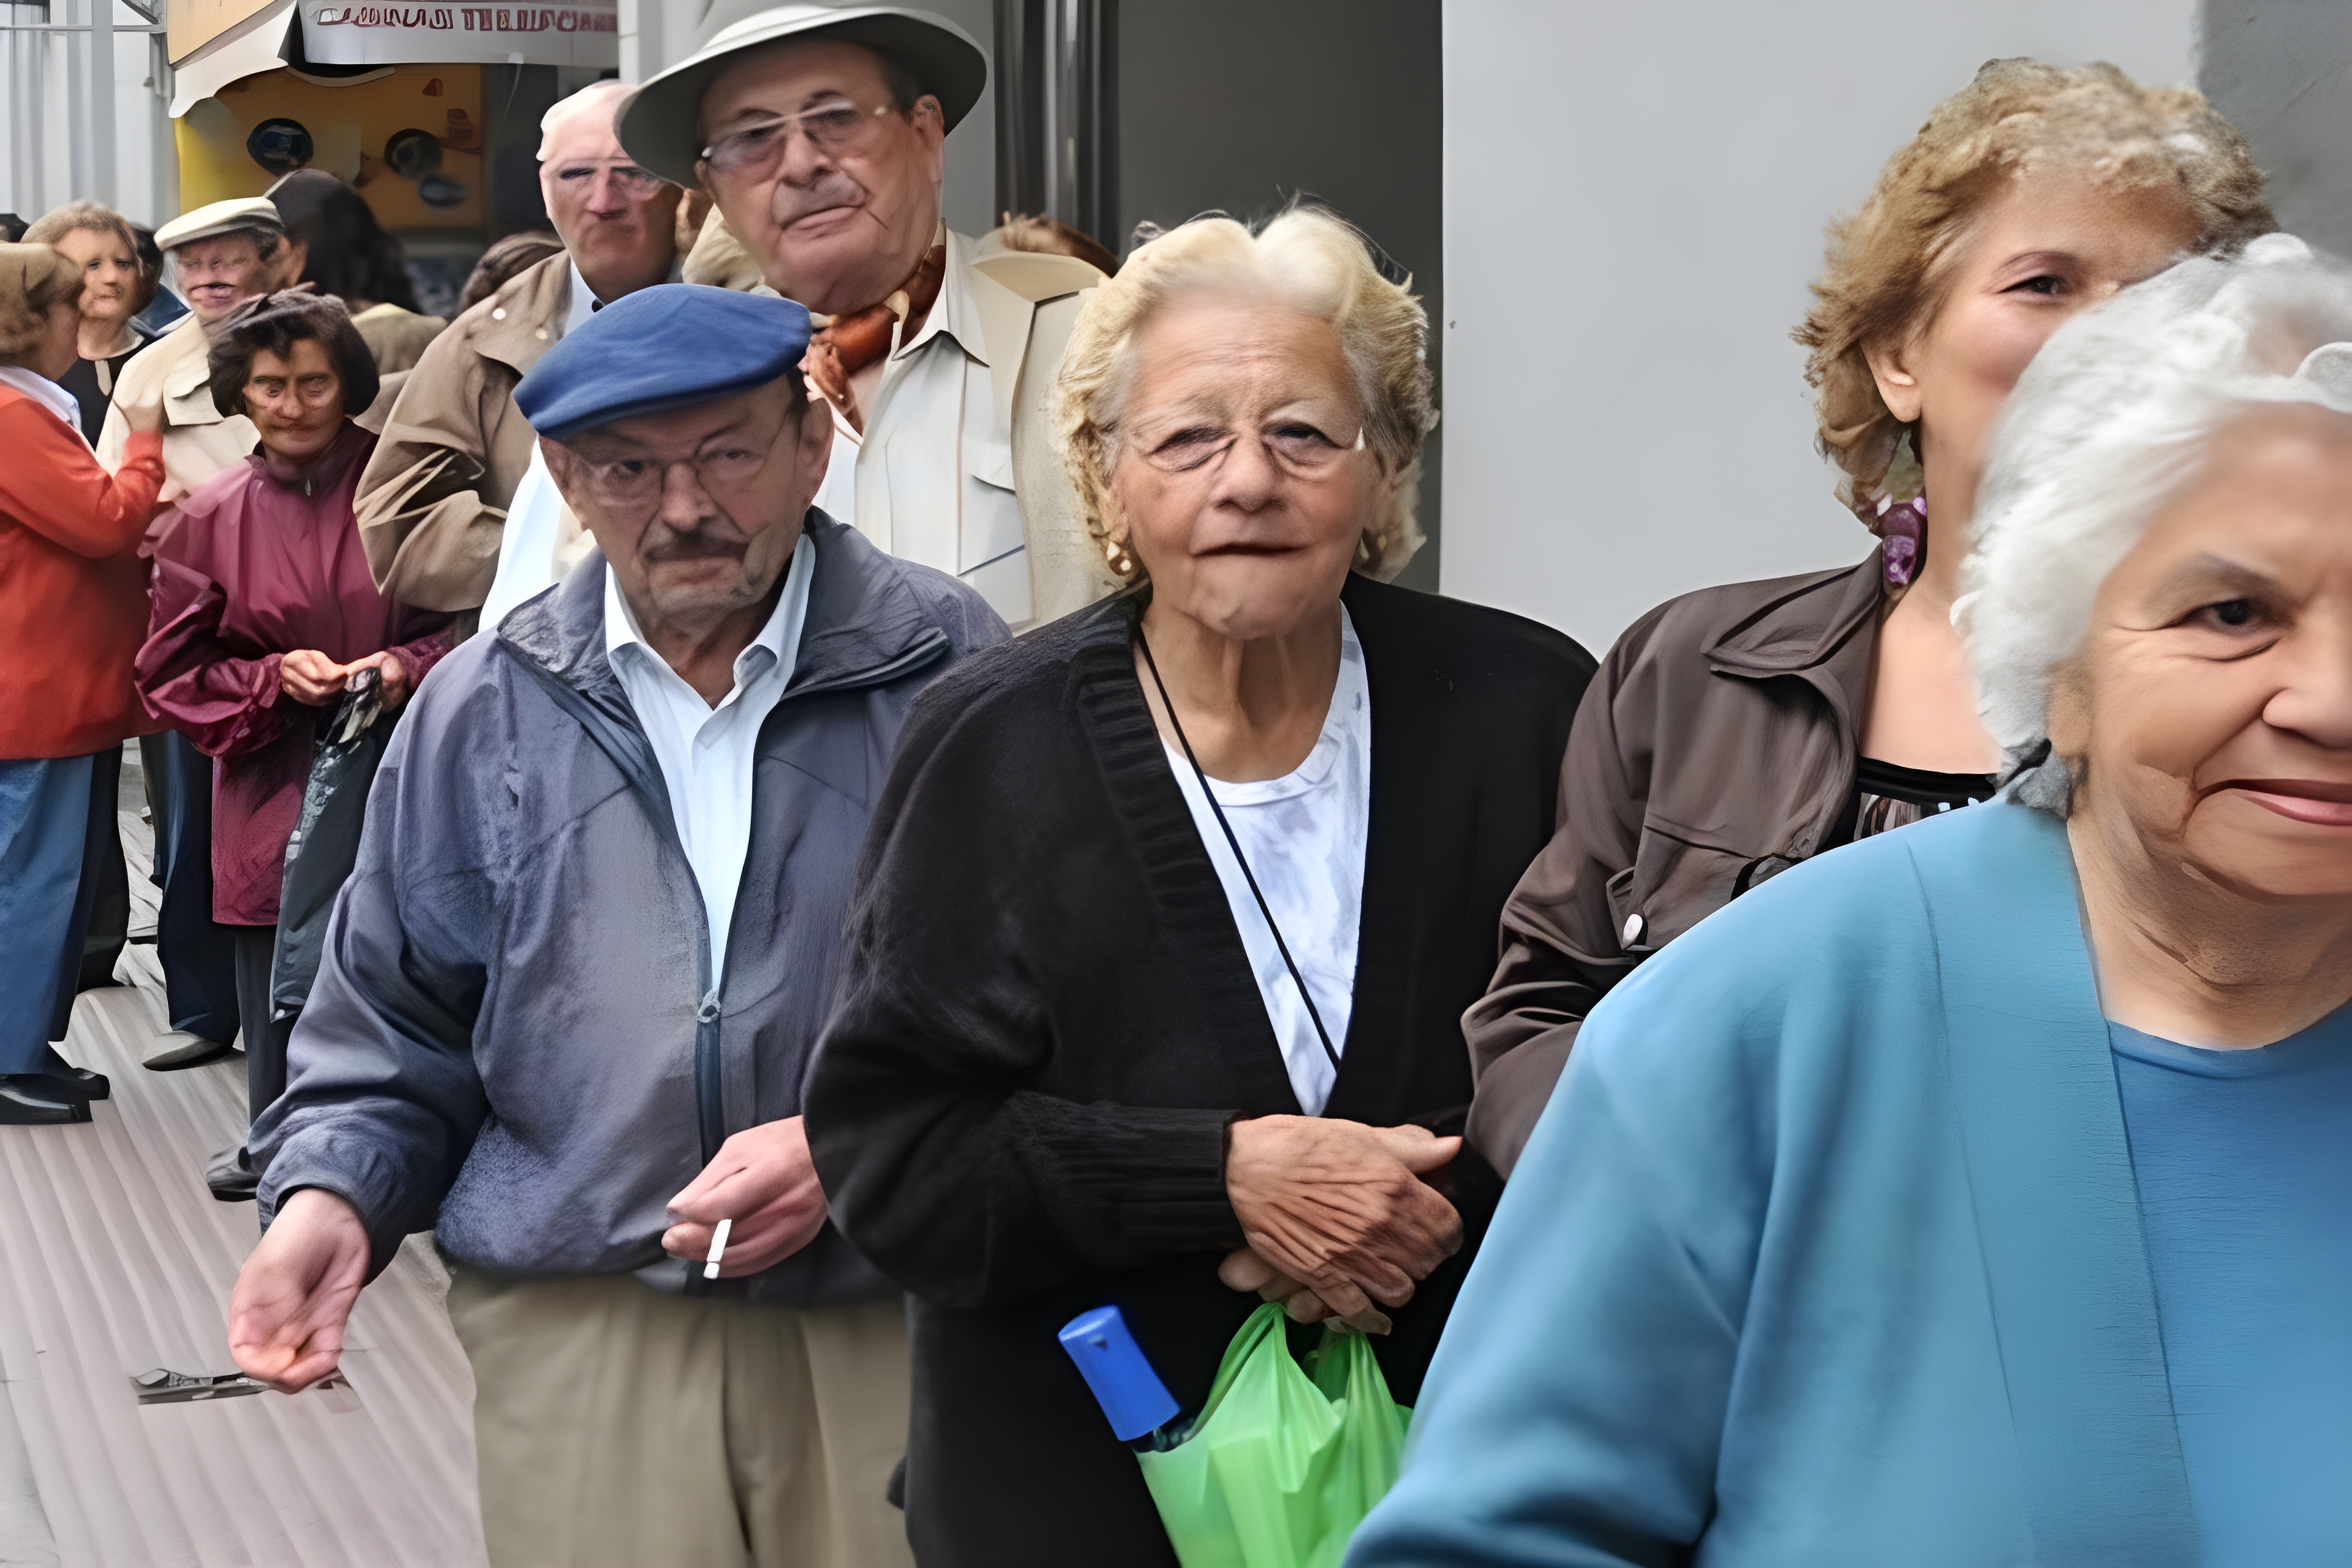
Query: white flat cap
x,y
661,126
241,214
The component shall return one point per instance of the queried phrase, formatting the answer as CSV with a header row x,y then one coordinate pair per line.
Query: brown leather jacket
x,y
1715,748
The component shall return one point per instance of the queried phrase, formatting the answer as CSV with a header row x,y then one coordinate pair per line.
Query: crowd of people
x,y
892,799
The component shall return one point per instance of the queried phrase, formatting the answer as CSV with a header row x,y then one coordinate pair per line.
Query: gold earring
x,y
1120,559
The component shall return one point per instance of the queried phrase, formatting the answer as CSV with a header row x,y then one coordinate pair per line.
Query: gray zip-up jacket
x,y
513,1039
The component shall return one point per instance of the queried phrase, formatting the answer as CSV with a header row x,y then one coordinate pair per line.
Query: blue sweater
x,y
1827,1252
2245,1194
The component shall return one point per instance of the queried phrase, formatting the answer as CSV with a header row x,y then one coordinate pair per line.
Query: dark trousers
x,y
264,1039
106,882
198,953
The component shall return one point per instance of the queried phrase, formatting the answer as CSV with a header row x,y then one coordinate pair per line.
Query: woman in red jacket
x,y
264,612
73,604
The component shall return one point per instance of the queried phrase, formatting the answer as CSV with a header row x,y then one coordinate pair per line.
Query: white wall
x,y
71,130
1634,200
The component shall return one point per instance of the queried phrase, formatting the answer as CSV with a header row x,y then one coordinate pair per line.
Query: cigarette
x,y
717,1249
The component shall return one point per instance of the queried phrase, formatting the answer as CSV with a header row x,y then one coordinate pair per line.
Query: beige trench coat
x,y
199,440
433,499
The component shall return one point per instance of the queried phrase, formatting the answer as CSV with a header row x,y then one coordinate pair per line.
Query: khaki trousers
x,y
616,1424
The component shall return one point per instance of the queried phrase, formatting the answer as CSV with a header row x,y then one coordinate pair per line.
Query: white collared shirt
x,y
707,754
933,473
47,392
1305,835
583,301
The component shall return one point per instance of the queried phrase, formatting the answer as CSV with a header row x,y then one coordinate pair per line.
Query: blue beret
x,y
662,347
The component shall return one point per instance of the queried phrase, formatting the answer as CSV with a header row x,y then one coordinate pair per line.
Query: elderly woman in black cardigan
x,y
1170,908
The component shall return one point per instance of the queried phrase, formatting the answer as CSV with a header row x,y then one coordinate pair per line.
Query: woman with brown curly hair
x,y
265,613
1735,732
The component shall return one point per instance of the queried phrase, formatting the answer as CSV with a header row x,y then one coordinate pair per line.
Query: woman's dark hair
x,y
502,261
151,266
352,256
276,322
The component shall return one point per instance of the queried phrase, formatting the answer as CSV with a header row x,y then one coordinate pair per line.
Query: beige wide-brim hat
x,y
660,126
242,215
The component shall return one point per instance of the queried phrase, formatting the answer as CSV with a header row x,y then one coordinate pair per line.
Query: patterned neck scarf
x,y
856,338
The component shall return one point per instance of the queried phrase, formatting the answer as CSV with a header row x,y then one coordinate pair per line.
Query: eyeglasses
x,y
635,183
728,468
833,129
1294,446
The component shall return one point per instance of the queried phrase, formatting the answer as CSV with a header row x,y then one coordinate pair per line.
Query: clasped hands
x,y
313,680
1335,1217
294,1297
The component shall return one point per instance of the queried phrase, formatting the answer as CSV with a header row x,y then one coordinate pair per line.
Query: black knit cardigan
x,y
1048,1019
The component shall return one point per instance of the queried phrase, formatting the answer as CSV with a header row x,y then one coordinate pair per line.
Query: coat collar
x,y
1822,628
866,625
522,321
2049,1172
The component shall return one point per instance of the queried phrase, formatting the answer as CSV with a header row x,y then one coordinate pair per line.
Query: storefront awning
x,y
350,38
577,33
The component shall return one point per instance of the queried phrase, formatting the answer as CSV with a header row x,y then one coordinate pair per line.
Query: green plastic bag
x,y
1282,1466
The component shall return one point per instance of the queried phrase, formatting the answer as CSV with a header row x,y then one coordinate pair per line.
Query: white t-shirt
x,y
1304,834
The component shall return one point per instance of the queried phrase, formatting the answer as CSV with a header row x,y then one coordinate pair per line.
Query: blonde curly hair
x,y
1306,257
1886,259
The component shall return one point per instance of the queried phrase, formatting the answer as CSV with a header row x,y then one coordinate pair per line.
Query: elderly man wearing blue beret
x,y
570,991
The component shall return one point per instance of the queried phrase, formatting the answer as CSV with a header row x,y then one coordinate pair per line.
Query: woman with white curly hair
x,y
1982,1193
1169,907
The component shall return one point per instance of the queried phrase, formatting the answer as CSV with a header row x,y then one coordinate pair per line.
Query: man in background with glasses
x,y
576,979
432,501
820,132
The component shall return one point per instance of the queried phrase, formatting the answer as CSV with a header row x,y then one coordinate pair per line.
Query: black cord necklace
x,y
1234,844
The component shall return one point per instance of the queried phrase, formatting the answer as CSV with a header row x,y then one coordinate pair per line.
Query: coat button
x,y
1633,930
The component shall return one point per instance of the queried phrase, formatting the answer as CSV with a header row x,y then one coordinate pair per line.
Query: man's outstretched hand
x,y
765,1181
294,1295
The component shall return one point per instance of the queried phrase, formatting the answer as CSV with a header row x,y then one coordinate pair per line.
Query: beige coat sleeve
x,y
1067,568
432,504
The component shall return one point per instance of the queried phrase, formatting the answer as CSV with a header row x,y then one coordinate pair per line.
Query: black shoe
x,y
34,1100
77,1080
232,1178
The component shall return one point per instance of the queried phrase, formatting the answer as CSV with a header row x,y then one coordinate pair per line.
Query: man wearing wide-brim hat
x,y
820,132
224,253
575,983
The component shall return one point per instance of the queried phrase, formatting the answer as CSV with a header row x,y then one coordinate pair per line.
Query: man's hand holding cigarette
x,y
765,1181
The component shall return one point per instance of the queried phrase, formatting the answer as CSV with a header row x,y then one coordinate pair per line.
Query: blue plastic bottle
x,y
1143,1414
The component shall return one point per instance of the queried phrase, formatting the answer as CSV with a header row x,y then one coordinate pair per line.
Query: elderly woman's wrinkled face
x,y
2034,256
110,272
295,400
2209,716
1242,484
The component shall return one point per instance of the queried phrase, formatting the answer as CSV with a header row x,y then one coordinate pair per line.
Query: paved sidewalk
x,y
114,1259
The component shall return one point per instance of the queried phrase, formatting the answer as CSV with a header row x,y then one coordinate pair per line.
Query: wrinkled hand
x,y
144,419
1341,1208
395,677
1245,1270
311,678
293,1297
765,1181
